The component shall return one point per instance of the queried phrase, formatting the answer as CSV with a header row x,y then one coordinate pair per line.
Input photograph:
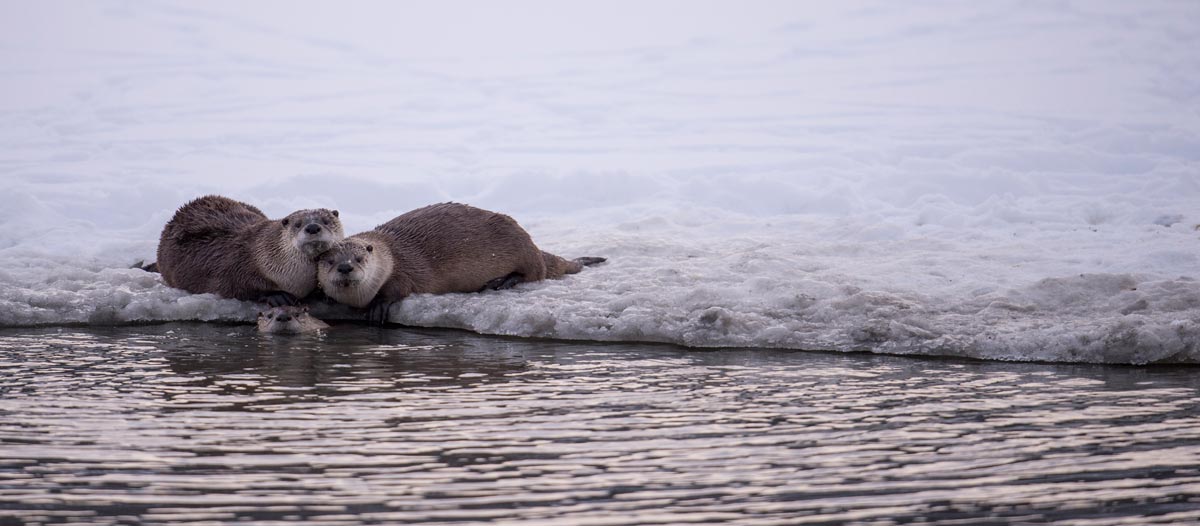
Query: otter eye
x,y
325,221
358,259
285,221
370,248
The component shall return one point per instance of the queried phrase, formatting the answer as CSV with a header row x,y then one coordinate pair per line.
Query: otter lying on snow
x,y
447,247
288,320
229,248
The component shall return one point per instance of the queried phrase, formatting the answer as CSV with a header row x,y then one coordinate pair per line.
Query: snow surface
x,y
1000,180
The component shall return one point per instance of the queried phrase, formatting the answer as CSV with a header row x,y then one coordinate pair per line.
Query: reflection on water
x,y
202,423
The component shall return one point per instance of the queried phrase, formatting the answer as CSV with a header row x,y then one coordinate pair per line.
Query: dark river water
x,y
192,423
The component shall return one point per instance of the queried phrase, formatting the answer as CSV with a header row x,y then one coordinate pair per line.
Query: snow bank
x,y
788,285
996,180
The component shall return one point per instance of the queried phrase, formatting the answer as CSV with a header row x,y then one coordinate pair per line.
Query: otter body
x,y
441,248
289,320
229,248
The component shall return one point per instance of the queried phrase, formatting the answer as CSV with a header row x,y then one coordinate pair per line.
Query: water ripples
x,y
202,423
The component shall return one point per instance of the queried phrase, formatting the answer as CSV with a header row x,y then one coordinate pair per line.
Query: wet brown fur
x,y
218,245
447,247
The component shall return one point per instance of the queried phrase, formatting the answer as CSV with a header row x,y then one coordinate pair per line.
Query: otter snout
x,y
315,240
339,269
344,274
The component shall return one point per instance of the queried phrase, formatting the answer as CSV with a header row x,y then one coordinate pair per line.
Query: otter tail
x,y
152,267
557,267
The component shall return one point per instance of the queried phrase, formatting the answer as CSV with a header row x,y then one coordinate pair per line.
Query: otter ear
x,y
370,248
285,221
304,309
335,213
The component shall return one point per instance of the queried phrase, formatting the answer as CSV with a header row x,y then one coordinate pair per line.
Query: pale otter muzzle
x,y
314,245
345,281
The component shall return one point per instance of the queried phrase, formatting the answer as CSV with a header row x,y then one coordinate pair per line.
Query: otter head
x,y
312,231
282,320
353,271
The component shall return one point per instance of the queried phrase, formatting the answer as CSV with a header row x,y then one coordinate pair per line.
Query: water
x,y
191,423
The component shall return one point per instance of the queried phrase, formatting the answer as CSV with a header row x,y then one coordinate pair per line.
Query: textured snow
x,y
999,180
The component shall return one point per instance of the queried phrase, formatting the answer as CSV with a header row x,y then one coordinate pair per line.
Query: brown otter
x,y
218,245
287,319
448,247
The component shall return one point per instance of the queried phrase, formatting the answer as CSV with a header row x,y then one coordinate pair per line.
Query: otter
x,y
447,247
288,320
229,248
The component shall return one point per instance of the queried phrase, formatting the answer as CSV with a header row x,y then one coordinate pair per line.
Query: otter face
x,y
282,320
345,265
313,231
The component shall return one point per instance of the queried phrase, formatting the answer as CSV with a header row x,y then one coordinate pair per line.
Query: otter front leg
x,y
379,311
279,299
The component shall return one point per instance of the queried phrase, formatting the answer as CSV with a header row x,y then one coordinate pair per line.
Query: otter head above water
x,y
353,271
288,320
312,231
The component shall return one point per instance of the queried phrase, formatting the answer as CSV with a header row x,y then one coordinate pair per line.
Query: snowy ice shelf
x,y
995,180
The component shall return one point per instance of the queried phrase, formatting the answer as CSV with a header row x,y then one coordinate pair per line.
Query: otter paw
x,y
318,296
379,312
279,299
506,282
151,267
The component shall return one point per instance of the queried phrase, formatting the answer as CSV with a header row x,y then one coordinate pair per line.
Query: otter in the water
x,y
218,245
441,248
288,319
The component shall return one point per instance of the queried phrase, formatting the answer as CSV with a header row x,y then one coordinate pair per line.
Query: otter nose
x,y
283,317
312,228
345,268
